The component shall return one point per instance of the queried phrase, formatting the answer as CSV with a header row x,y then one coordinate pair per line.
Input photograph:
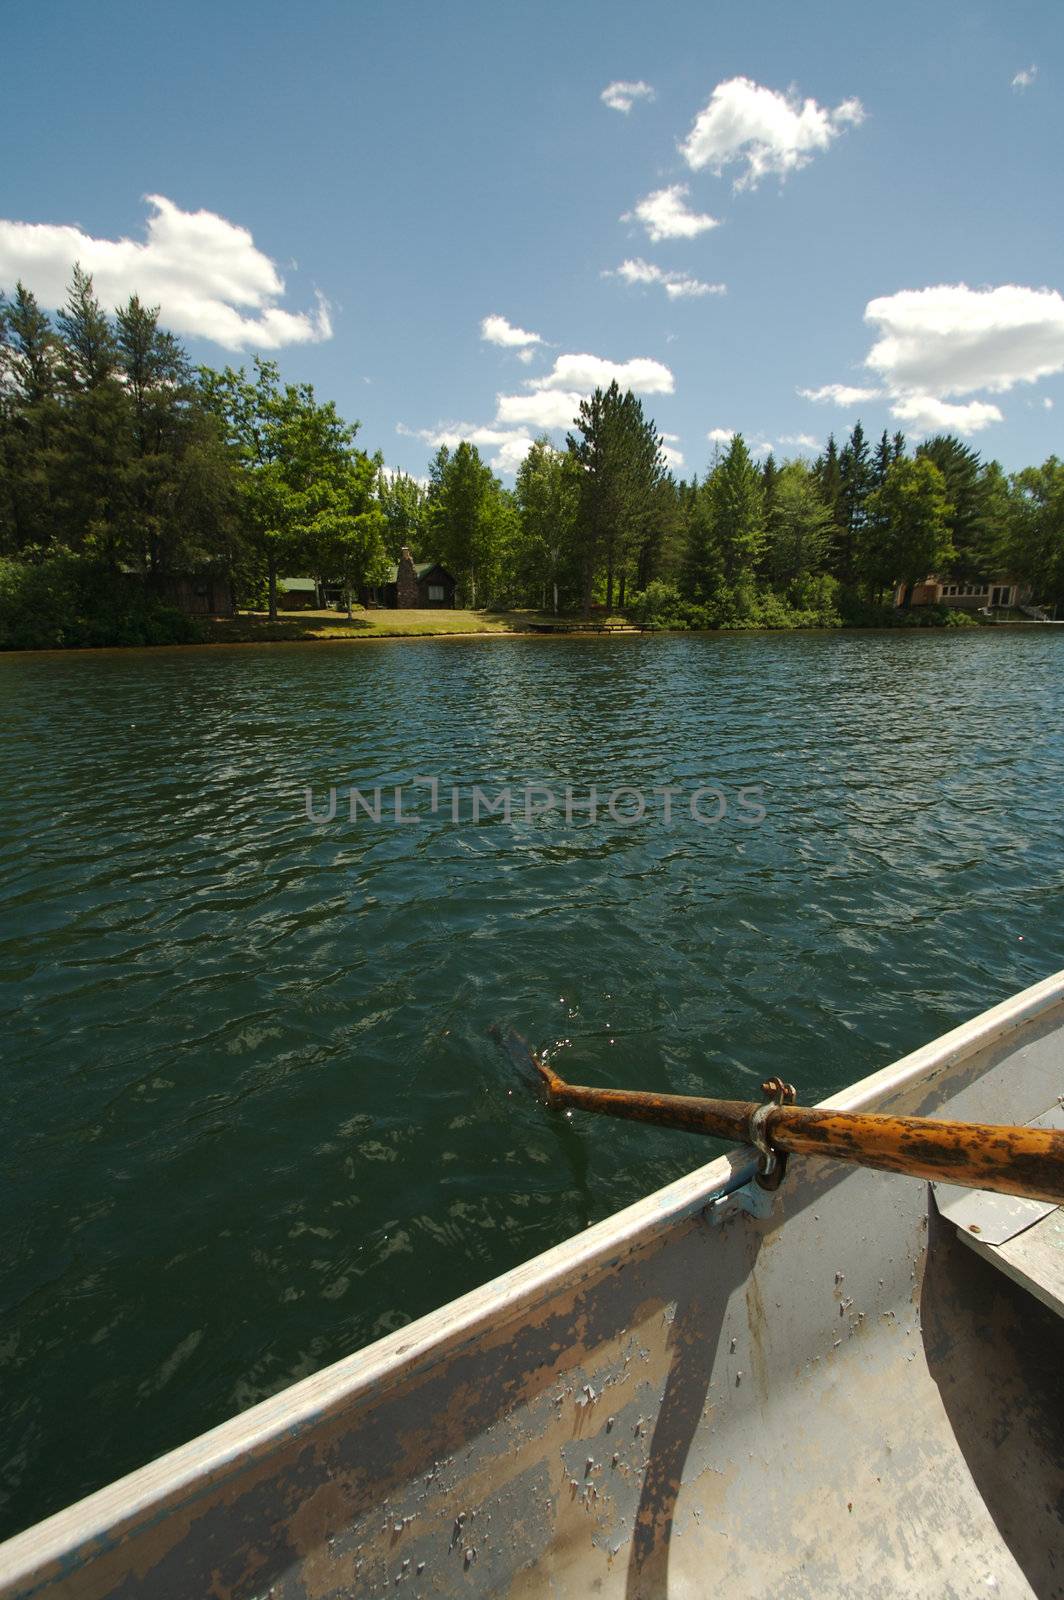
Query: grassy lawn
x,y
256,628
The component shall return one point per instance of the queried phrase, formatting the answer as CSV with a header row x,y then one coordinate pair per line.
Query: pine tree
x,y
855,481
619,454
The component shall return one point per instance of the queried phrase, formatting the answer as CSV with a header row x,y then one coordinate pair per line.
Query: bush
x,y
65,602
658,606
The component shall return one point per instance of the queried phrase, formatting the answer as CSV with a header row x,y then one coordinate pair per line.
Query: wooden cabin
x,y
422,585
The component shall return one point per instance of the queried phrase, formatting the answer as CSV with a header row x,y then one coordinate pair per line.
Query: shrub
x,y
658,606
65,602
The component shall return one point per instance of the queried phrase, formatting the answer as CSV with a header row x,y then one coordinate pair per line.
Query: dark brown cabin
x,y
422,585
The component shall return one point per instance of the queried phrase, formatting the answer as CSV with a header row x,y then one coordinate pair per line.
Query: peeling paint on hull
x,y
836,1398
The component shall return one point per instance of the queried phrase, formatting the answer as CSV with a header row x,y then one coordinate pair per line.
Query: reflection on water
x,y
252,1114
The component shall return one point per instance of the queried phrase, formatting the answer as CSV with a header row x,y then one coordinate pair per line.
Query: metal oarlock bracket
x,y
773,1163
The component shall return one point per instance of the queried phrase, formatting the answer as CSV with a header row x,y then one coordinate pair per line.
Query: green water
x,y
252,1117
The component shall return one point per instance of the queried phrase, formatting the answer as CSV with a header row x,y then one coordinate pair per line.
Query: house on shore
x,y
299,594
976,594
422,585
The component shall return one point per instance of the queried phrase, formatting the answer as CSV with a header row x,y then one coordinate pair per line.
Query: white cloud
x,y
673,457
843,394
720,435
926,414
204,272
665,215
512,452
621,96
547,409
1047,403
582,373
511,447
677,285
771,132
954,340
939,343
496,330
805,441
1025,77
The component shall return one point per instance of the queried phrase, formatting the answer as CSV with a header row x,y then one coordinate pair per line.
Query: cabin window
x,y
436,591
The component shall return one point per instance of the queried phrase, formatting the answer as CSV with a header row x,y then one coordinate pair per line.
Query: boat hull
x,y
833,1397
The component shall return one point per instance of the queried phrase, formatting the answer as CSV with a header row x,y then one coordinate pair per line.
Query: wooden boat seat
x,y
1022,1238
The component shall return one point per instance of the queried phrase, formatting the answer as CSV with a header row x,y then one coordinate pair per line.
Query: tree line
x,y
122,466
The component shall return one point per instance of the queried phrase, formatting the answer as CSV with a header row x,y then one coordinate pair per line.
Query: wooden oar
x,y
1020,1161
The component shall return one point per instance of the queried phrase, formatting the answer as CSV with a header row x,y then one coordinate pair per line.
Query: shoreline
x,y
465,634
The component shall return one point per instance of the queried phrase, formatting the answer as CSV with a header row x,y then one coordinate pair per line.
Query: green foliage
x,y
471,520
799,527
909,517
548,500
966,491
1034,542
67,602
659,605
404,505
620,470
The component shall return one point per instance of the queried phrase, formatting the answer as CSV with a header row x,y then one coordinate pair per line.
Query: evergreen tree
x,y
966,492
619,454
855,484
736,501
29,414
798,527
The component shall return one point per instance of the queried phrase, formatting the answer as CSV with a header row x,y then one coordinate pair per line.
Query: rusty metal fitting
x,y
773,1163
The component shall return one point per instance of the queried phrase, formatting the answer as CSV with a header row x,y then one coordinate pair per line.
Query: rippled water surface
x,y
252,1117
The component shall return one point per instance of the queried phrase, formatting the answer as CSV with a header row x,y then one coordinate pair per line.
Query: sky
x,y
454,221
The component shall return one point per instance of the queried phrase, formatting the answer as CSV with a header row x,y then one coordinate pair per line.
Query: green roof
x,y
420,568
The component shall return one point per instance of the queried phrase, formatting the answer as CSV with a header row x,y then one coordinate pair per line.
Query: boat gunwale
x,y
101,1519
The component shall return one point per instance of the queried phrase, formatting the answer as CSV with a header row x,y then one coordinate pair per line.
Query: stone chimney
x,y
406,595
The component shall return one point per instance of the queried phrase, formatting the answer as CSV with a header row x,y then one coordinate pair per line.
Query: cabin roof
x,y
421,570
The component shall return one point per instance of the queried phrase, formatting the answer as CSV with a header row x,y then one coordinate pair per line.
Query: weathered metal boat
x,y
851,1385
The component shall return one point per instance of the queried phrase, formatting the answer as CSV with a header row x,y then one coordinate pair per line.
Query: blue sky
x,y
354,188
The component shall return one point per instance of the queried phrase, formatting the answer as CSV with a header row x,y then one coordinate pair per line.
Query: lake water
x,y
252,1115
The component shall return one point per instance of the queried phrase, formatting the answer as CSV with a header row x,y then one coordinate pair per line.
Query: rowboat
x,y
851,1384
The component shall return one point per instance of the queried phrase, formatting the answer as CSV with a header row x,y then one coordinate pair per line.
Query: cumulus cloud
x,y
939,343
768,131
1025,77
496,330
1047,403
954,340
927,414
547,409
843,394
204,272
547,403
677,285
510,446
621,96
666,215
804,441
582,373
720,435
673,455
